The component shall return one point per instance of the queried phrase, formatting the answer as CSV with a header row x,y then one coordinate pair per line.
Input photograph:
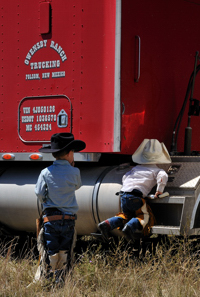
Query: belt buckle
x,y
63,218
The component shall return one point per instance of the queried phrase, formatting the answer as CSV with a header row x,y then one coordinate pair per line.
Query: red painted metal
x,y
169,41
62,53
76,59
45,15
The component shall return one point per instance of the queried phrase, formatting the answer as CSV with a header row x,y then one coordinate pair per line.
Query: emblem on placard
x,y
62,119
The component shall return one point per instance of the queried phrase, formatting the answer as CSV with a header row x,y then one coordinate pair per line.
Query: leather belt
x,y
134,192
58,217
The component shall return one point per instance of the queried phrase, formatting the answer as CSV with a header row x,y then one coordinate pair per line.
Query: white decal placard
x,y
42,115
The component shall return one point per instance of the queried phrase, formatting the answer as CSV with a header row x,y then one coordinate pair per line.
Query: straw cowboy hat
x,y
151,151
61,141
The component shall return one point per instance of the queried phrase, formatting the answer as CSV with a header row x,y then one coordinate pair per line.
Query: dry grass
x,y
173,271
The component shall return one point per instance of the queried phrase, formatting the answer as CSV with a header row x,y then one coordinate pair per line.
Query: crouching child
x,y
136,185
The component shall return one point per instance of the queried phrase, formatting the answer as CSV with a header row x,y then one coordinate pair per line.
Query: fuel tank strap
x,y
95,209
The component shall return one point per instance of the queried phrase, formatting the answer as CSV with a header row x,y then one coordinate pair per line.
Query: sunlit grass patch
x,y
173,270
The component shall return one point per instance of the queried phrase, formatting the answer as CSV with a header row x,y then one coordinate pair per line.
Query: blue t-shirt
x,y
56,186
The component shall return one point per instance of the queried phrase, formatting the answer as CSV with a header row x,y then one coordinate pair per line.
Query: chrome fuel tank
x,y
19,206
175,214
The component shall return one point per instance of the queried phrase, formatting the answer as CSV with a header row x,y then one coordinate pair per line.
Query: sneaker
x,y
129,235
104,228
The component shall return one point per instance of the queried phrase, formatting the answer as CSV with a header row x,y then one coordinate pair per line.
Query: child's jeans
x,y
129,204
58,235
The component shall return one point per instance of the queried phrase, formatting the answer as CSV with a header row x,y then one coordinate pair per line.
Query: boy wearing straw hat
x,y
55,189
136,185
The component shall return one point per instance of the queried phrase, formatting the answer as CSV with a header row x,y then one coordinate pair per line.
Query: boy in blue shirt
x,y
55,189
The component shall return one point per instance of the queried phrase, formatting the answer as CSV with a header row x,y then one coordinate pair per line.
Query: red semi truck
x,y
112,72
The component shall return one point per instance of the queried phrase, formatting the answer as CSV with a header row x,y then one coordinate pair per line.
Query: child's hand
x,y
157,194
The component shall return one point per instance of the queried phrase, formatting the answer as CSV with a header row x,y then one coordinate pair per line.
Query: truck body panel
x,y
112,73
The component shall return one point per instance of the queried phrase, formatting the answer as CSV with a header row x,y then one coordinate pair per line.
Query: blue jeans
x,y
129,204
58,235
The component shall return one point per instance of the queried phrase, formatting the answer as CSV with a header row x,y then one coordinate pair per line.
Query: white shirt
x,y
144,178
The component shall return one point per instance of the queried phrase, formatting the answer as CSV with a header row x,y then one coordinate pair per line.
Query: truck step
x,y
169,230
